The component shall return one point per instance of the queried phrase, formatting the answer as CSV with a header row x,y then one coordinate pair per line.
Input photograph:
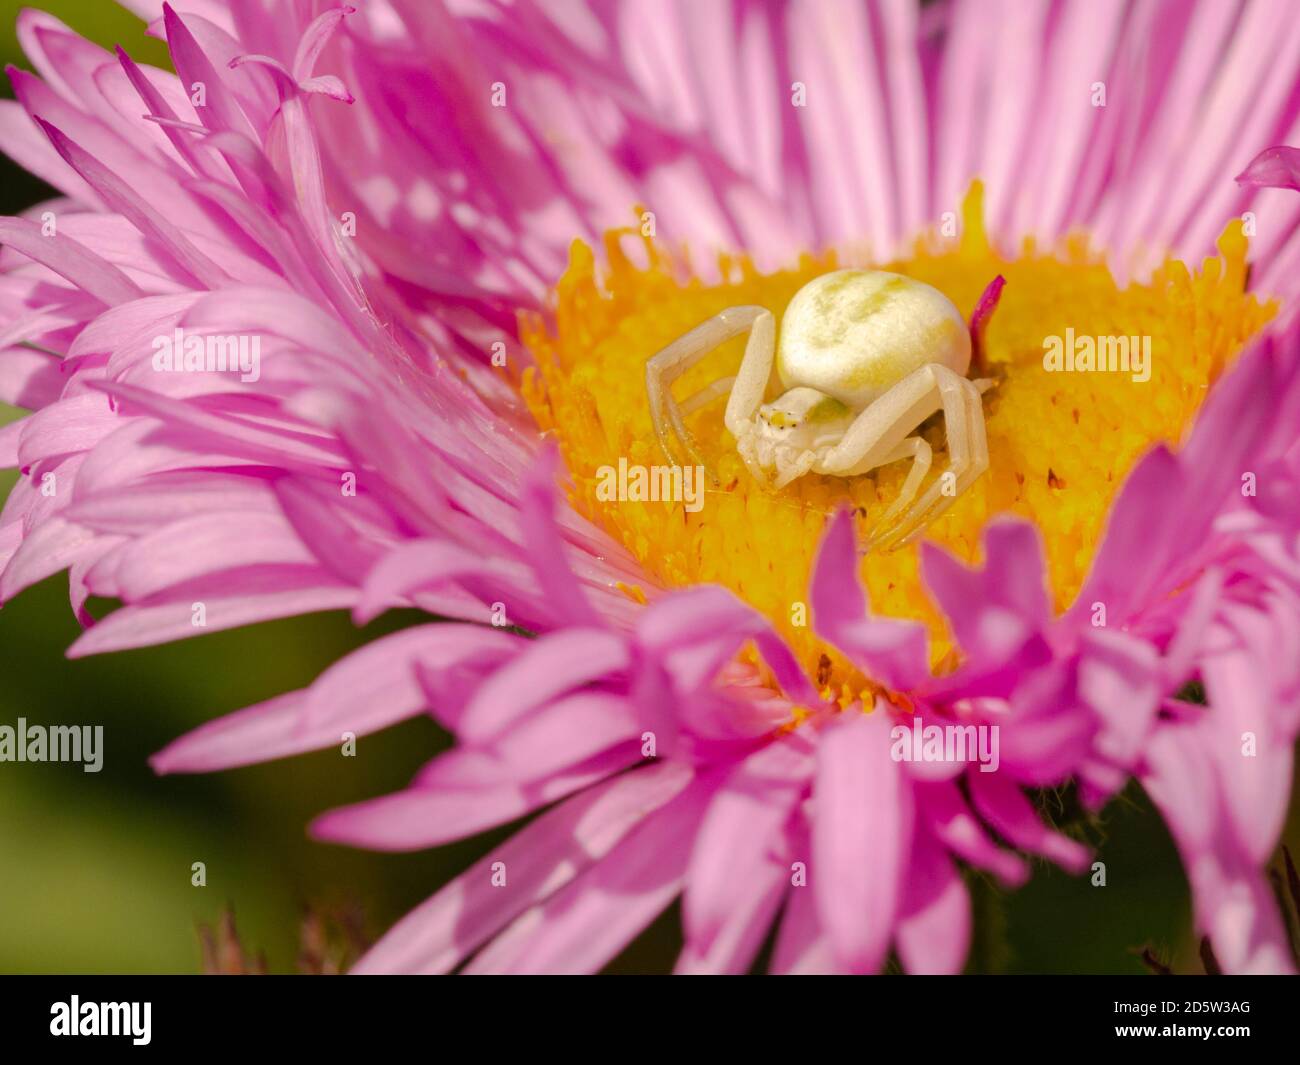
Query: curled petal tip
x,y
1277,168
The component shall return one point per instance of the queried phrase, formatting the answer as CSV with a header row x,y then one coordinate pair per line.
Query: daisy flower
x,y
456,234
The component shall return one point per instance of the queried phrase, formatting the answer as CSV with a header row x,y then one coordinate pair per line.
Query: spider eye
x,y
778,419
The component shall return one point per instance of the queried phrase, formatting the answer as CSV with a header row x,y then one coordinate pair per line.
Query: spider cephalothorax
x,y
864,358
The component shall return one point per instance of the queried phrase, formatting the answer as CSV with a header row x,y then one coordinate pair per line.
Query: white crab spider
x,y
863,359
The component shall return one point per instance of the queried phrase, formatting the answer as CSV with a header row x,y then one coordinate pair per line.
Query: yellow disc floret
x,y
1062,433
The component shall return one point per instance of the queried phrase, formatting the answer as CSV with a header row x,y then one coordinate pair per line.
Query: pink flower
x,y
377,228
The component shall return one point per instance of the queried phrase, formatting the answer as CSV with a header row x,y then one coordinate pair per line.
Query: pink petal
x,y
547,668
1277,168
547,556
280,593
699,630
934,928
803,947
571,729
1002,804
60,253
585,924
742,834
755,902
426,817
947,816
862,826
1121,679
539,860
894,652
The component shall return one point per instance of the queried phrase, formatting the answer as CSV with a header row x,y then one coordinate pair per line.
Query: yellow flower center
x,y
1060,443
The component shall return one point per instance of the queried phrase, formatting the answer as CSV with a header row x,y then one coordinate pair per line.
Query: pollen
x,y
1062,432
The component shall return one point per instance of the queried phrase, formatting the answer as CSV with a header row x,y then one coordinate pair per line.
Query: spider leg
x,y
754,375
706,395
883,425
752,380
968,458
918,450
878,434
669,364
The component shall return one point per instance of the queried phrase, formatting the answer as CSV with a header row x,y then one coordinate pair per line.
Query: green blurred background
x,y
95,868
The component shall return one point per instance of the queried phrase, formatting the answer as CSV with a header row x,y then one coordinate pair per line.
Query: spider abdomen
x,y
853,334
